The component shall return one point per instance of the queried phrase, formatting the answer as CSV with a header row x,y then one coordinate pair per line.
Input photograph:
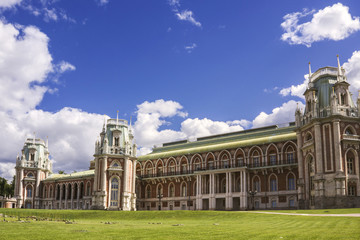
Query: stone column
x,y
61,196
78,196
66,196
103,174
134,186
300,166
21,189
337,147
318,149
72,196
230,191
96,173
125,190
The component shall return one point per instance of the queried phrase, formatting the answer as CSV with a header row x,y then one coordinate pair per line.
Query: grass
x,y
173,225
322,211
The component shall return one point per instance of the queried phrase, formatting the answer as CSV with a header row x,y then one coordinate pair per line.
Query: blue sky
x,y
181,69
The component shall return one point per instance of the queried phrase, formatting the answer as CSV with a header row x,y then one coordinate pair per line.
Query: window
x,y
257,204
352,191
172,190
290,157
88,190
291,182
116,141
272,159
291,203
114,192
183,190
240,161
273,203
172,168
183,168
273,185
256,186
148,191
30,175
308,136
256,161
348,131
350,165
29,191
225,161
211,164
160,170
32,157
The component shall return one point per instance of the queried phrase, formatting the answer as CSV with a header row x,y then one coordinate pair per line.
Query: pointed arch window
x,y
183,190
148,191
256,159
291,182
350,164
273,184
172,190
256,184
29,191
114,192
116,140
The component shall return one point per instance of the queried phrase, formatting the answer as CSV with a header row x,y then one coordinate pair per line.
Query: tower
x,y
328,142
33,166
114,163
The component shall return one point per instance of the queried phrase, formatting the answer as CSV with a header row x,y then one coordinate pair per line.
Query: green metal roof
x,y
57,177
225,141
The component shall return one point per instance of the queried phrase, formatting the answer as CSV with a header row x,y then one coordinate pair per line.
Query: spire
x,y
117,117
104,123
338,62
309,72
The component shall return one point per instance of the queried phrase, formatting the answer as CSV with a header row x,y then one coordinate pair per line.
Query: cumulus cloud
x,y
283,114
152,116
296,90
174,3
352,67
9,3
187,15
102,2
25,67
333,23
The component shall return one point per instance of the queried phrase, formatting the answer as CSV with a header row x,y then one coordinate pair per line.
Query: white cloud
x,y
174,3
50,14
279,115
25,67
190,47
102,2
333,23
9,3
296,90
151,116
352,67
187,15
194,128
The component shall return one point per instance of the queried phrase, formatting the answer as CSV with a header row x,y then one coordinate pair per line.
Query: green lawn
x,y
322,211
174,225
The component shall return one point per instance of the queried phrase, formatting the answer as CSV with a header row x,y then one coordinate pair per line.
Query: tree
x,y
5,188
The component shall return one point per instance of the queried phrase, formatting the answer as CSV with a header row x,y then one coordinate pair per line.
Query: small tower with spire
x,y
33,166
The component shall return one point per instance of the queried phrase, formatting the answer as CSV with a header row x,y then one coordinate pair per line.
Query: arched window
x,y
183,190
58,192
88,189
138,170
51,192
171,190
45,192
148,191
138,191
225,161
148,169
256,184
29,191
272,157
348,131
75,190
308,136
30,175
291,182
273,184
240,161
171,167
223,186
159,169
69,191
114,192
210,163
196,165
256,159
32,157
159,190
116,141
350,163
290,153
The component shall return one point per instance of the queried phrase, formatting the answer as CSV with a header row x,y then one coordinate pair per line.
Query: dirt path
x,y
310,214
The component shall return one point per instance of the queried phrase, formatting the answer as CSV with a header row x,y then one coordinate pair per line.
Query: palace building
x,y
310,163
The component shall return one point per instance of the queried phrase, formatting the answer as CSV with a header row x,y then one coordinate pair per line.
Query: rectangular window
x,y
272,159
351,191
273,186
256,161
291,203
350,166
290,158
291,184
257,204
273,203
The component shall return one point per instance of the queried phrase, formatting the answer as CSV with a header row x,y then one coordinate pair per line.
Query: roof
x,y
57,177
225,141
